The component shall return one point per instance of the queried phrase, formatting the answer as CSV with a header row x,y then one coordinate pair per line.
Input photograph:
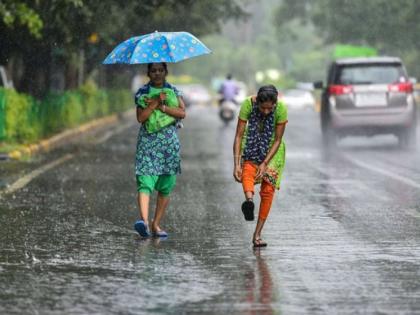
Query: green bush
x,y
89,93
120,100
20,117
102,103
72,110
2,115
61,111
24,119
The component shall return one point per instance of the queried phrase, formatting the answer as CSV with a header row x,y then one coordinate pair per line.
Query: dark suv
x,y
368,96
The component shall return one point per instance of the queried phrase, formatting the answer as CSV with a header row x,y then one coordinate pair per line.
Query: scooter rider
x,y
228,90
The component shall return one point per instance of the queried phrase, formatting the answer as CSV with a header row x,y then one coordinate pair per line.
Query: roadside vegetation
x,y
52,51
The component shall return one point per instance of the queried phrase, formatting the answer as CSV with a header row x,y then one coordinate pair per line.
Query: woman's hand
x,y
162,108
237,173
261,170
152,103
162,97
240,129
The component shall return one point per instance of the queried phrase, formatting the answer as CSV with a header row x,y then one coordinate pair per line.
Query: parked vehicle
x,y
416,92
297,99
368,96
195,94
4,80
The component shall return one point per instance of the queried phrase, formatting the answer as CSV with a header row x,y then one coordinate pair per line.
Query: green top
x,y
276,165
157,119
280,114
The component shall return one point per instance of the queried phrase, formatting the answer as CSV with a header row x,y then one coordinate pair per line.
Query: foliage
x,y
294,49
18,111
90,96
76,32
14,13
61,110
386,24
27,119
119,99
389,26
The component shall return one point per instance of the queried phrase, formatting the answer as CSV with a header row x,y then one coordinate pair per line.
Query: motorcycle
x,y
227,111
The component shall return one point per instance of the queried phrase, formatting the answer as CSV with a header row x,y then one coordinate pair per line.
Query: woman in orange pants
x,y
259,152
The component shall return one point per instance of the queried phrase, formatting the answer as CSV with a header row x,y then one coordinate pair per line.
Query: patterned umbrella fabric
x,y
157,47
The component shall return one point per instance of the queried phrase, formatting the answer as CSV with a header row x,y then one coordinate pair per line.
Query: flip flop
x,y
248,210
259,243
160,234
141,228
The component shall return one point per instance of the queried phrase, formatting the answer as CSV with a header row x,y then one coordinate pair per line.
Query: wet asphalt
x,y
343,235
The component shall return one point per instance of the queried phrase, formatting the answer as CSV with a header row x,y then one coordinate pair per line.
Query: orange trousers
x,y
249,171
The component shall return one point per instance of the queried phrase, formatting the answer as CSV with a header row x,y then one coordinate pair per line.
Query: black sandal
x,y
248,210
258,242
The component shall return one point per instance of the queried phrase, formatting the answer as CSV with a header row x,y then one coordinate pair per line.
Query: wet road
x,y
343,234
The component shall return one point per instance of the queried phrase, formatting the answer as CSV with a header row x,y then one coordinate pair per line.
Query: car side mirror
x,y
318,85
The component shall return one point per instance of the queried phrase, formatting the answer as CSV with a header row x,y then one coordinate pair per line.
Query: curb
x,y
57,140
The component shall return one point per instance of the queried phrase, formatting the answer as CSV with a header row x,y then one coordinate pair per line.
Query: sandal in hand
x,y
258,242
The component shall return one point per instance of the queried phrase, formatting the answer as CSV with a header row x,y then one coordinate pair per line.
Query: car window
x,y
371,74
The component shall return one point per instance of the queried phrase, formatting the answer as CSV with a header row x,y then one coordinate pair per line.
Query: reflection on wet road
x,y
343,238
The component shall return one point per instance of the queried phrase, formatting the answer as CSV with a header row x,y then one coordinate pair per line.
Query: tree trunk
x,y
71,72
35,76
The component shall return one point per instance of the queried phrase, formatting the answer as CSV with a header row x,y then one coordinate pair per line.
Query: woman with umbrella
x,y
159,104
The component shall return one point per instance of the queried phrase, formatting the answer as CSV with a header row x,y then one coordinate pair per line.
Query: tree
x,y
389,26
65,40
379,22
14,13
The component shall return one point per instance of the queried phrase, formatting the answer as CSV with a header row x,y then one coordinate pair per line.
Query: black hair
x,y
229,76
267,93
165,66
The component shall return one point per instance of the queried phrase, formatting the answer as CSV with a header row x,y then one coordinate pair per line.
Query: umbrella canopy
x,y
157,47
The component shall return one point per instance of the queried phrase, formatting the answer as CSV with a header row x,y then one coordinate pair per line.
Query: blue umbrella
x,y
157,47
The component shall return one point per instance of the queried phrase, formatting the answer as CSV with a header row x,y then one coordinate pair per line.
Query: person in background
x,y
259,152
228,90
159,105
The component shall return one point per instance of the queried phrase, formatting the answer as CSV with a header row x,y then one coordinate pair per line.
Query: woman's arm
x,y
144,113
276,144
176,112
240,129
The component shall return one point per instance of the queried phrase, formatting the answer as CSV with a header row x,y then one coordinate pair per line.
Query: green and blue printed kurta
x,y
158,153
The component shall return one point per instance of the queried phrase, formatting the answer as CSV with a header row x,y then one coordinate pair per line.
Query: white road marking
x,y
25,180
372,168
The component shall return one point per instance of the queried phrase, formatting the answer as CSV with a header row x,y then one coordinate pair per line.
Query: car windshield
x,y
371,74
